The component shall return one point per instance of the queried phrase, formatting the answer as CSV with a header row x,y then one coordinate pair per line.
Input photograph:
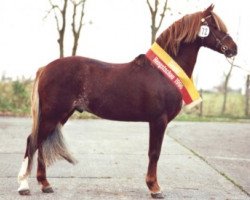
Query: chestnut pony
x,y
134,91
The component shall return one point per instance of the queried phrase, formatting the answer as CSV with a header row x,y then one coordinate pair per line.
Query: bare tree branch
x,y
225,87
60,12
61,26
54,8
238,66
247,96
154,13
162,15
76,31
77,4
150,7
57,22
48,13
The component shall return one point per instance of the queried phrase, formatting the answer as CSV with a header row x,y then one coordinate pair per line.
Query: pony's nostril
x,y
230,52
235,51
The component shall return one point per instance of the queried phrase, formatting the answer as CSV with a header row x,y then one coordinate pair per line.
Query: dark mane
x,y
185,30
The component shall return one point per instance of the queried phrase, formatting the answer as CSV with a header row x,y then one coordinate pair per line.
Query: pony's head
x,y
205,28
213,34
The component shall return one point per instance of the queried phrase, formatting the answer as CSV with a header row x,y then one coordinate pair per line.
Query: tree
x,y
154,11
60,14
227,77
247,95
76,29
225,87
61,26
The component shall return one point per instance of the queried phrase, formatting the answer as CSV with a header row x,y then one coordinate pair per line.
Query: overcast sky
x,y
120,31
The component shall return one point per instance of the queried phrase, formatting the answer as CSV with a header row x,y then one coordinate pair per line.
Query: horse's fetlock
x,y
150,181
152,184
40,178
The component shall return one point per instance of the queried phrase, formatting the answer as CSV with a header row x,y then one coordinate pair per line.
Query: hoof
x,y
24,192
47,189
158,195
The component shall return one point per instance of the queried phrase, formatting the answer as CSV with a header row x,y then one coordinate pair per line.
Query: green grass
x,y
212,105
15,97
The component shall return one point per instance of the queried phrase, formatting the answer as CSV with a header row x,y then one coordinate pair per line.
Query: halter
x,y
219,42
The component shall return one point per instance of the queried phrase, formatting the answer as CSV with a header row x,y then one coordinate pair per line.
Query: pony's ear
x,y
208,11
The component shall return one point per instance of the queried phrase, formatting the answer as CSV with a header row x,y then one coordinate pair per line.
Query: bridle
x,y
219,42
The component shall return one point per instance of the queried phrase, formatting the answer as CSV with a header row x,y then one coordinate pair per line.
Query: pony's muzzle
x,y
229,52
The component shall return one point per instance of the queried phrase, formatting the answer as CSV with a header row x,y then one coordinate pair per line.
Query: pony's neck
x,y
186,56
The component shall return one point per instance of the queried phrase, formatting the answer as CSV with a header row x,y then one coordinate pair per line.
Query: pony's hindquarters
x,y
46,137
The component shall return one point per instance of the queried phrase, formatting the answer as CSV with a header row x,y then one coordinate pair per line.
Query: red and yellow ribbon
x,y
171,70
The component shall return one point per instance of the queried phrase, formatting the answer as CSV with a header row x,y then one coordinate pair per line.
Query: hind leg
x,y
48,130
41,165
41,173
45,128
26,168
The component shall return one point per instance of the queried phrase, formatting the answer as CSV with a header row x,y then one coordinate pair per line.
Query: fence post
x,y
201,105
247,95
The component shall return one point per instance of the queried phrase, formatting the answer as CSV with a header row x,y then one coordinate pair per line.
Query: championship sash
x,y
171,70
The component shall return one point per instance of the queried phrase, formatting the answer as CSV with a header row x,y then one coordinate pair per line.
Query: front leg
x,y
157,129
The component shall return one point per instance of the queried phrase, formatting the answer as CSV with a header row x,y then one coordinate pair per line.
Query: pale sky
x,y
120,31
